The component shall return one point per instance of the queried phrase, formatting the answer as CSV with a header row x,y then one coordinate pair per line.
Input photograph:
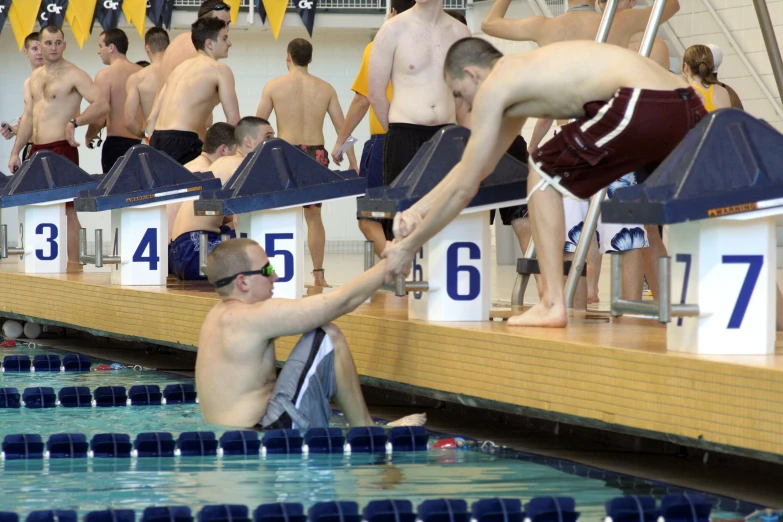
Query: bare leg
x,y
594,259
316,241
72,220
349,393
633,273
580,297
651,255
521,228
548,226
778,310
373,231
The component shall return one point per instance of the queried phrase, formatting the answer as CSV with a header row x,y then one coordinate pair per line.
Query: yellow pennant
x,y
234,10
79,15
136,13
22,15
275,12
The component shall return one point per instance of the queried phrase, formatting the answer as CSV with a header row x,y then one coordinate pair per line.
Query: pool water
x,y
93,484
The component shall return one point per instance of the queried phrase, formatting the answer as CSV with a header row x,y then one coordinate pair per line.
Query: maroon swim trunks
x,y
319,154
635,129
61,148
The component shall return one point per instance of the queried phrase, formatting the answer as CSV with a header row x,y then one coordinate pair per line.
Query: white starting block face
x,y
456,262
45,234
727,266
279,232
142,245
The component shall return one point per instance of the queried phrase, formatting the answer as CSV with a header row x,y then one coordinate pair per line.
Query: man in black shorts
x,y
235,368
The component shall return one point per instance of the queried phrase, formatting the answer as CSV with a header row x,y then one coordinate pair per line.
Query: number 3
x,y
53,248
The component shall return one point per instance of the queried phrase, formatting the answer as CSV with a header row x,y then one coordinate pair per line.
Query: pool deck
x,y
614,375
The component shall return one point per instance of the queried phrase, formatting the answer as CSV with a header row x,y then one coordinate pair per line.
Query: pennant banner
x,y
107,13
80,15
159,12
261,11
5,5
52,12
22,16
275,10
136,13
307,13
234,10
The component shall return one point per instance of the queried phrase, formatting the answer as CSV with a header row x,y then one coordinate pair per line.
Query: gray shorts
x,y
305,386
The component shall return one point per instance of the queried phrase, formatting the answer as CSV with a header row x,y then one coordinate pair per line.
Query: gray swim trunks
x,y
305,386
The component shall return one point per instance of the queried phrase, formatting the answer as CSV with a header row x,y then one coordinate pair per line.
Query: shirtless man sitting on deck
x,y
235,367
620,99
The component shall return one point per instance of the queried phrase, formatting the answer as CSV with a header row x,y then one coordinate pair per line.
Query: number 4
x,y
149,239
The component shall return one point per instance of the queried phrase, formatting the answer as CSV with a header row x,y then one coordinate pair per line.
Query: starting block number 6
x,y
453,271
754,262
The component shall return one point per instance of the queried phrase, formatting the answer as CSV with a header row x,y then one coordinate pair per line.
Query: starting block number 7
x,y
754,262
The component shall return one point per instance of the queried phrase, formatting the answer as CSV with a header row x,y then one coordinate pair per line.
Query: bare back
x,y
533,82
147,86
420,96
235,367
115,78
186,220
190,95
55,100
301,102
179,51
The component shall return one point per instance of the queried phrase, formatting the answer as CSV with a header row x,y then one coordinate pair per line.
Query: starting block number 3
x,y
50,231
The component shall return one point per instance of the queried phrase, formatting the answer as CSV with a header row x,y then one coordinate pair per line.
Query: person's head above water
x,y
240,271
467,65
210,35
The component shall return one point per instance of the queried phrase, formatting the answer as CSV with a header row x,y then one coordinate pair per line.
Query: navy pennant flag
x,y
107,13
261,11
5,5
307,13
52,12
159,11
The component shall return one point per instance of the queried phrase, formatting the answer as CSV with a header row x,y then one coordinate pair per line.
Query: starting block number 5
x,y
288,257
754,262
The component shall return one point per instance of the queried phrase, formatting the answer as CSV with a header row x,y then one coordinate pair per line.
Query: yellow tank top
x,y
706,96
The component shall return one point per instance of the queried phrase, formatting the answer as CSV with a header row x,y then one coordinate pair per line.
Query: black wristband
x,y
75,125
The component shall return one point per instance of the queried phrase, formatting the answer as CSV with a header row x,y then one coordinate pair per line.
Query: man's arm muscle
x,y
381,64
228,95
632,21
522,29
132,101
336,115
265,106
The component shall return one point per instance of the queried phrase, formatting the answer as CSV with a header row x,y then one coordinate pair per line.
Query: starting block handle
x,y
662,309
369,255
98,259
402,287
4,250
203,250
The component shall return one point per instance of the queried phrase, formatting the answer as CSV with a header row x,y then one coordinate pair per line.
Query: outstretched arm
x,y
228,95
523,29
336,115
632,21
381,63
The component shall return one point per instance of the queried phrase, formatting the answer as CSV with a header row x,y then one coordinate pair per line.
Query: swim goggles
x,y
267,270
220,7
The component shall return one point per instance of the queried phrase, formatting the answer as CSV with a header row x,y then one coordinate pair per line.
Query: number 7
x,y
683,258
743,299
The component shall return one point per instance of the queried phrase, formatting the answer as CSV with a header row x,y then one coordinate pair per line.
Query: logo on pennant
x,y
307,14
107,13
52,12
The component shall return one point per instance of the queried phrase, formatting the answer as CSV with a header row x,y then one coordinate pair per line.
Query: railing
x,y
335,4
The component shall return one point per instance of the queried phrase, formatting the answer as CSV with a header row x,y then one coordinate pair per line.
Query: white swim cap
x,y
717,55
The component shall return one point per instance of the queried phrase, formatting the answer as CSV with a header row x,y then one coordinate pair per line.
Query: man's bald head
x,y
227,259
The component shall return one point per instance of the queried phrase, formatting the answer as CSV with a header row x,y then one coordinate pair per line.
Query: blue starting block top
x,y
4,180
730,163
45,177
278,175
142,176
431,164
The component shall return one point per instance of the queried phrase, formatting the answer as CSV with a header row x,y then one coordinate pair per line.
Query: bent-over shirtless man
x,y
51,116
235,367
409,50
143,85
192,92
32,50
112,47
301,102
249,133
620,99
218,143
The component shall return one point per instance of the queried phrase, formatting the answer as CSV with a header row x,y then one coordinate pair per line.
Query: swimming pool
x,y
93,484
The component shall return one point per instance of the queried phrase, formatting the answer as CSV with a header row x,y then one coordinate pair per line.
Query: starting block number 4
x,y
458,273
139,235
728,268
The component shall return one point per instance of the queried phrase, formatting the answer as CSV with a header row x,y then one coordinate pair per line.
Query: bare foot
x,y
540,315
417,419
592,297
74,268
321,281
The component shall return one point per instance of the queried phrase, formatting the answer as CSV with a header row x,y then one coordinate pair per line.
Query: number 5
x,y
288,257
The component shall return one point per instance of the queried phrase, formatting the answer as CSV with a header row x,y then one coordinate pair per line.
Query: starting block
x,y
137,189
40,190
719,191
267,192
462,291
